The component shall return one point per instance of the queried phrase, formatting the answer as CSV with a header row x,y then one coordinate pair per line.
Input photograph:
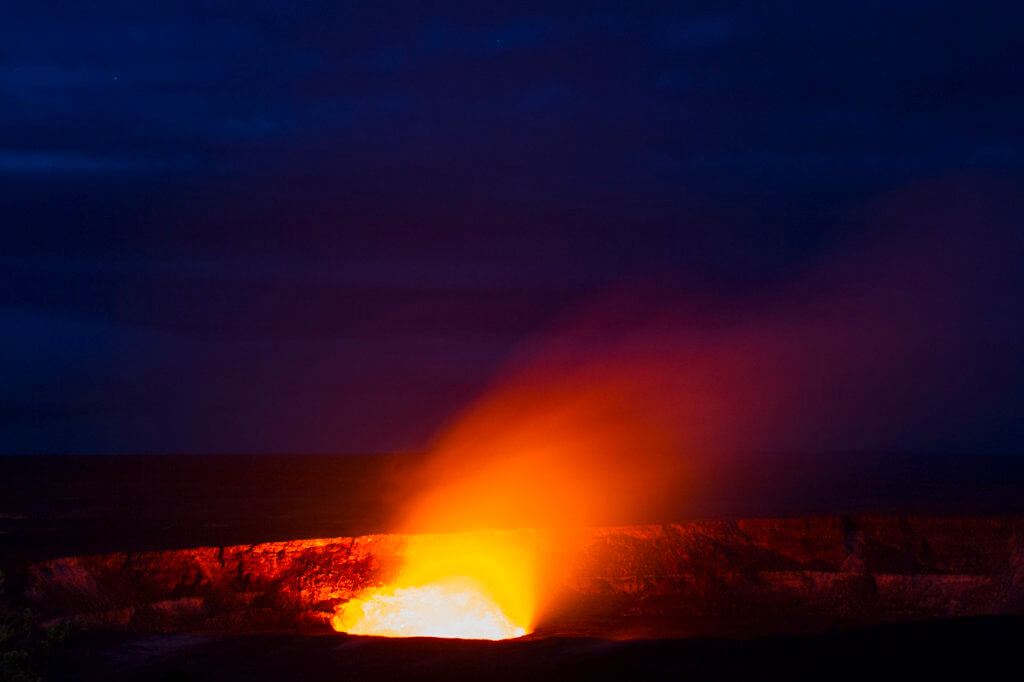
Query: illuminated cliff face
x,y
699,578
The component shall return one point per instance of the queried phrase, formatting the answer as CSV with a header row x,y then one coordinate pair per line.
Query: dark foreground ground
x,y
980,648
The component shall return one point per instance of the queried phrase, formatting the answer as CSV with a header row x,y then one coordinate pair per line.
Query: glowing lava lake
x,y
465,585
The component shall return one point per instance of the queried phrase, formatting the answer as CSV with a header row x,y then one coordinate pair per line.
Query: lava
x,y
454,607
464,585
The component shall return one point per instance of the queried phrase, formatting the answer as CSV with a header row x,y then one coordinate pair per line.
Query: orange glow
x,y
465,585
624,415
583,447
571,440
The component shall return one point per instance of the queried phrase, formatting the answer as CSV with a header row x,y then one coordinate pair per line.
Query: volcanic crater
x,y
702,578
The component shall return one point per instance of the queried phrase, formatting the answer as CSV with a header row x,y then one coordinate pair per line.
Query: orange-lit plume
x,y
581,446
616,418
584,444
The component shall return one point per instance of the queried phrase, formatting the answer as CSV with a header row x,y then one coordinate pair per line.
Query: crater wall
x,y
712,577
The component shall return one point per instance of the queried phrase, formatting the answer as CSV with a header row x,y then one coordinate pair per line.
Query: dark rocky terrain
x,y
981,648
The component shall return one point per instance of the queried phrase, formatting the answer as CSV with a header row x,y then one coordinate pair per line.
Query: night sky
x,y
324,227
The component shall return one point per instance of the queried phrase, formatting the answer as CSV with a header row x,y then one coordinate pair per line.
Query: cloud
x,y
457,38
42,162
700,33
87,385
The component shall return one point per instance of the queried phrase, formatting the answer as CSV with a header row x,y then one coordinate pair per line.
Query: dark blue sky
x,y
323,226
